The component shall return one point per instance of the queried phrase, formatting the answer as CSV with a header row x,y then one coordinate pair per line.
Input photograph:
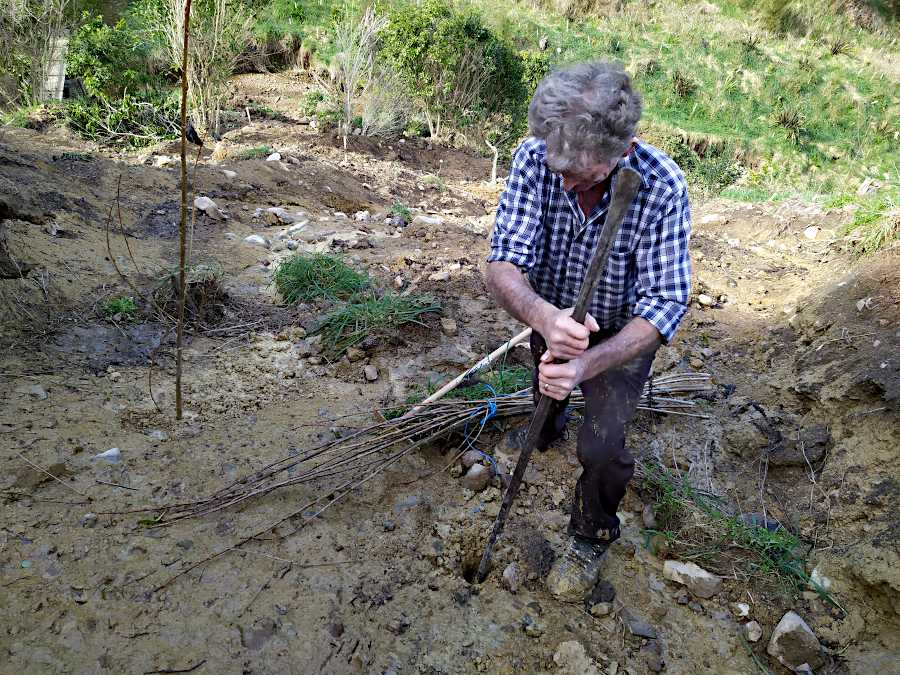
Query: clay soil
x,y
799,329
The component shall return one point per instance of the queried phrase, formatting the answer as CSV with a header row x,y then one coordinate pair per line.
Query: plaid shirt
x,y
541,229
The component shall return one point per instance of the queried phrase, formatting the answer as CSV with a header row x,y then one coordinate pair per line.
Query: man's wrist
x,y
541,313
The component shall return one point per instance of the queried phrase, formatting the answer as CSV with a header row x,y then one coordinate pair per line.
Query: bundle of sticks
x,y
341,465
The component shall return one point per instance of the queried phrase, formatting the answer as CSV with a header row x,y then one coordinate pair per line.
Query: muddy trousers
x,y
611,399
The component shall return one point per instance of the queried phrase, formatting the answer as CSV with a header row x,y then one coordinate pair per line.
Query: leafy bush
x,y
105,58
307,277
450,62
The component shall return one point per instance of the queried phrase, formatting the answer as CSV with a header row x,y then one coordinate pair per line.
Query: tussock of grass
x,y
876,225
699,527
259,152
123,306
308,277
350,324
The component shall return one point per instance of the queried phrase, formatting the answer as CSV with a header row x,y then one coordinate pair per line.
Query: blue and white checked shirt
x,y
541,229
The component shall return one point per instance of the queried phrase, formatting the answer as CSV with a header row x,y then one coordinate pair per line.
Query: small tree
x,y
220,30
30,31
355,39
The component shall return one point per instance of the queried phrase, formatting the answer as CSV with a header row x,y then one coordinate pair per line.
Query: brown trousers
x,y
611,399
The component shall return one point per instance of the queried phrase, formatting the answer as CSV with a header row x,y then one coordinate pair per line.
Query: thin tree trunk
x,y
182,228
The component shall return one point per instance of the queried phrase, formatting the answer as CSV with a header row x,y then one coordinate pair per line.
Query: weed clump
x,y
259,152
123,306
308,277
350,324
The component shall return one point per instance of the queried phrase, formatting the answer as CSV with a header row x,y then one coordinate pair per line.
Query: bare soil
x,y
800,329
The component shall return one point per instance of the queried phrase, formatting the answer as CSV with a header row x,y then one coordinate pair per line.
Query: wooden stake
x,y
182,227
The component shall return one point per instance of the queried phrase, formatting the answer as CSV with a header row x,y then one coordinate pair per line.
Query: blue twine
x,y
490,411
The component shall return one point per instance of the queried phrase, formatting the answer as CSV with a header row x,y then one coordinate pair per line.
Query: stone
x,y
531,627
470,458
229,174
371,373
291,245
113,456
512,577
696,363
698,581
441,275
36,391
296,227
389,526
161,161
257,240
794,644
428,220
637,626
706,300
648,516
277,214
355,354
752,631
571,658
449,326
477,478
398,282
209,207
158,435
740,609
274,157
601,609
811,232
362,215
88,520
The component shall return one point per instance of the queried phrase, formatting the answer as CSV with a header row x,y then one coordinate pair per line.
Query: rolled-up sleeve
x,y
517,225
664,267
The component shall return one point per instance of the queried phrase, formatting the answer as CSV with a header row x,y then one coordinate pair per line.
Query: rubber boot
x,y
575,573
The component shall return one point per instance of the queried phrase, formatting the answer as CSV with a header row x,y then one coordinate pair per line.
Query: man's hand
x,y
557,380
566,338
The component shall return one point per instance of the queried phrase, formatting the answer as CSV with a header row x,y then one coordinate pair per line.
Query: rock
x,y
399,625
442,275
811,232
813,443
818,581
158,435
274,157
706,300
648,516
229,174
793,643
713,218
88,520
361,215
696,363
355,354
477,478
428,220
36,391
470,458
113,456
637,626
398,282
698,581
371,373
389,526
161,161
209,207
740,609
752,631
449,326
257,240
571,658
601,609
531,627
512,577
291,245
277,214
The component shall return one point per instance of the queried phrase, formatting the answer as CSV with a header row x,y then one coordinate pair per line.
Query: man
x,y
582,121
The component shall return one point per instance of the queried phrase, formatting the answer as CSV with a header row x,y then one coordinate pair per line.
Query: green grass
x,y
124,306
309,277
401,211
259,152
700,527
875,225
353,322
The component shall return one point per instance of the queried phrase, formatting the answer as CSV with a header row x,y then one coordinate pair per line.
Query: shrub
x,y
401,211
29,30
385,111
104,58
308,277
129,120
451,63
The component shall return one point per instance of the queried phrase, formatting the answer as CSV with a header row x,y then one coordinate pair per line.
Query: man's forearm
x,y
515,295
638,337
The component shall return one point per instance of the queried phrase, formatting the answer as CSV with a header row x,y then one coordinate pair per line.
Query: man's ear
x,y
630,147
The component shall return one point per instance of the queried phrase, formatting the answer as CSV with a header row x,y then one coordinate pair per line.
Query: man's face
x,y
584,180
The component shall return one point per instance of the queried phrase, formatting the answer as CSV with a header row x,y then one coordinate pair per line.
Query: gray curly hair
x,y
585,113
